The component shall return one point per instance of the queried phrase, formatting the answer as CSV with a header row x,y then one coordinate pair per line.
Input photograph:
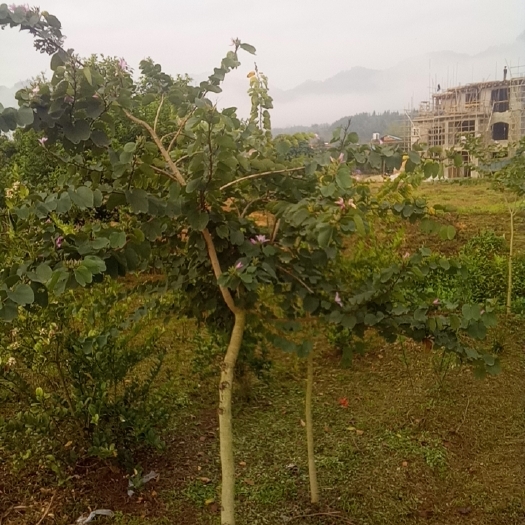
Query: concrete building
x,y
494,111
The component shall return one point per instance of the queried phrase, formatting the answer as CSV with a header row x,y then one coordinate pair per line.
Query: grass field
x,y
403,436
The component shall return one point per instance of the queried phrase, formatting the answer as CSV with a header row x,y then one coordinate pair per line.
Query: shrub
x,y
79,378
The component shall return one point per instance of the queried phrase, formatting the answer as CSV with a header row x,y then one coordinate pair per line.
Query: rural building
x,y
494,111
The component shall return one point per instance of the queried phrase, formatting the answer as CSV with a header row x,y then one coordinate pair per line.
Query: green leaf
x,y
310,304
375,160
310,169
370,319
247,47
444,263
471,311
82,197
414,157
283,147
114,200
22,294
451,232
100,138
348,321
64,203
193,185
198,219
304,349
117,240
25,116
138,200
477,330
352,138
325,236
359,224
82,275
56,61
236,237
94,264
43,272
87,74
420,314
77,132
8,311
343,177
223,231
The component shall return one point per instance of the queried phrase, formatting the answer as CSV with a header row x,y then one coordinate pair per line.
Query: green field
x,y
403,436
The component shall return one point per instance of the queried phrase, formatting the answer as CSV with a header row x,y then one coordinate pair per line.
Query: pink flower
x,y
24,7
341,203
69,99
259,239
43,141
435,301
239,266
338,299
122,64
58,242
406,255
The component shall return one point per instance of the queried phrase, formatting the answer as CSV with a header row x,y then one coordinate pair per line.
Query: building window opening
x,y
459,131
467,126
500,131
500,99
436,136
472,98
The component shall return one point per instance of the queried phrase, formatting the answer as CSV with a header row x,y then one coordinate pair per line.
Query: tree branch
x,y
296,278
158,113
275,230
179,131
176,173
245,210
214,259
257,175
163,172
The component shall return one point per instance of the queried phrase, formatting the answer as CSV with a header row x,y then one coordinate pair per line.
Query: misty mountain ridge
x,y
361,89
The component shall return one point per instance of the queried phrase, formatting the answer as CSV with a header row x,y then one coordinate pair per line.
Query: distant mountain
x,y
404,85
362,89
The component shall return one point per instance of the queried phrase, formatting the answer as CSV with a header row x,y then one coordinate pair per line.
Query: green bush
x,y
77,380
484,262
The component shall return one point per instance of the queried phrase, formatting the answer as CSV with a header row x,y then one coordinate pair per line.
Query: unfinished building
x,y
493,111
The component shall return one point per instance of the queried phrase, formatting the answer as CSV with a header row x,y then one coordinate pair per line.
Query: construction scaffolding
x,y
493,111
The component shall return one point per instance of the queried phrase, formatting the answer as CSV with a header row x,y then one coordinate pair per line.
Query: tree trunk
x,y
312,472
511,253
225,420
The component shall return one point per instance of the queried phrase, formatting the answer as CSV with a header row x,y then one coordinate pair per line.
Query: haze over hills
x,y
362,89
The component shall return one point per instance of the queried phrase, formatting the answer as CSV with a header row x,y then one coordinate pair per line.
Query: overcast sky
x,y
295,40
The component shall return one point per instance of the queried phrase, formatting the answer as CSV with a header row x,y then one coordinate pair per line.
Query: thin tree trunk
x,y
312,472
225,420
511,253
